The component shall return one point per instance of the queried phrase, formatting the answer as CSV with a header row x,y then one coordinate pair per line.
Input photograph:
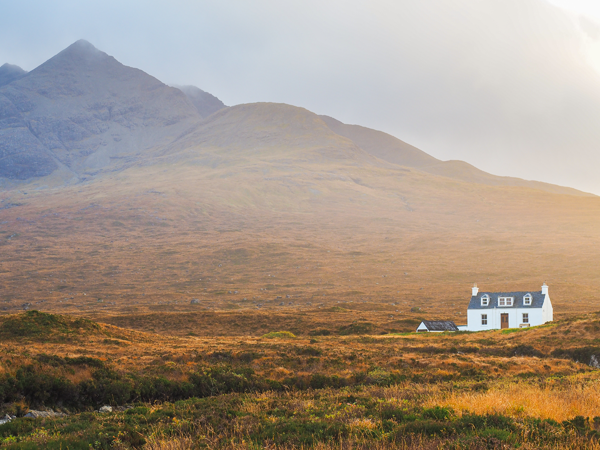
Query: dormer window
x,y
485,300
505,301
527,300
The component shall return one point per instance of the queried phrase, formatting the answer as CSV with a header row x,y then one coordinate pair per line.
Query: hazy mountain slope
x,y
82,110
10,73
258,132
389,148
319,229
381,145
205,103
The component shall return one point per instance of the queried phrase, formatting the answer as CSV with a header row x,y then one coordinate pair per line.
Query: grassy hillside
x,y
530,388
262,233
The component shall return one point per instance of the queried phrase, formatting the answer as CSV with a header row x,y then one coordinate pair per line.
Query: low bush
x,y
356,328
280,335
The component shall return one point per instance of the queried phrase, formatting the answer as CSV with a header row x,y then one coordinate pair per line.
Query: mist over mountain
x,y
82,113
205,103
10,73
391,149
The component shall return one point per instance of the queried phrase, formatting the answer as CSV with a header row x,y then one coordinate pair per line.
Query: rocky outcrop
x,y
33,414
7,418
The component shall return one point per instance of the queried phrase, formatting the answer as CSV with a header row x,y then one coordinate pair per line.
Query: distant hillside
x,y
274,132
10,73
205,103
389,148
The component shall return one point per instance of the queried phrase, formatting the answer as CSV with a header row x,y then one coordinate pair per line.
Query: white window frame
x,y
525,317
505,301
527,300
484,319
485,300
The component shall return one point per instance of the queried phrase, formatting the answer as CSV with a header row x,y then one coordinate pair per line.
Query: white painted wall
x,y
547,310
537,316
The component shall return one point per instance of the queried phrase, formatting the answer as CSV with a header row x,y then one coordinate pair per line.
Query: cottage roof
x,y
440,325
537,300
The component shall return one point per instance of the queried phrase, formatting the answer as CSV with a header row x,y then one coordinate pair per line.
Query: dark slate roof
x,y
440,325
537,300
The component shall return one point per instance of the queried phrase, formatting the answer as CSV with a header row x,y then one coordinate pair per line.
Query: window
x,y
505,301
484,319
525,317
485,300
527,300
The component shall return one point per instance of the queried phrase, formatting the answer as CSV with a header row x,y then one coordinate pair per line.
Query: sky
x,y
510,86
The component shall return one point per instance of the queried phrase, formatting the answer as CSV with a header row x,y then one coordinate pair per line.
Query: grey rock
x,y
105,409
48,413
195,301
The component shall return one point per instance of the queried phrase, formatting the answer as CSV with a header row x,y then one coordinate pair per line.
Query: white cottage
x,y
497,310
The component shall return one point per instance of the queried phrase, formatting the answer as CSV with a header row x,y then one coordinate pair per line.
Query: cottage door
x,y
504,320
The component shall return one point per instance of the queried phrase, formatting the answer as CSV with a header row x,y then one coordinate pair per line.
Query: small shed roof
x,y
440,325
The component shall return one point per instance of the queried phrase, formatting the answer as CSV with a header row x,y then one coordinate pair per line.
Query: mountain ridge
x,y
205,103
389,148
82,113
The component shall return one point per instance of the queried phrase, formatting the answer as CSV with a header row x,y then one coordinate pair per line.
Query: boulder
x,y
105,409
33,414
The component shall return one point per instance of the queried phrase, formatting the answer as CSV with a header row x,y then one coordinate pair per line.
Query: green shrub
x,y
438,413
38,325
280,335
356,328
320,332
525,350
309,351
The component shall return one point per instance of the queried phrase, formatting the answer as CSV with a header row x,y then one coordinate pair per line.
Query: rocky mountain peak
x,y
81,111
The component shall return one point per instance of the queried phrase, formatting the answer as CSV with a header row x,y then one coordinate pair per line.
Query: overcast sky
x,y
511,86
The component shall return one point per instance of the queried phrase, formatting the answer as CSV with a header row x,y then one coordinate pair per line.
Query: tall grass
x,y
544,401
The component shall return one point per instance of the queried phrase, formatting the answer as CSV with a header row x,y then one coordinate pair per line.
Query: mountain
x,y
391,149
257,133
205,103
256,203
10,73
82,111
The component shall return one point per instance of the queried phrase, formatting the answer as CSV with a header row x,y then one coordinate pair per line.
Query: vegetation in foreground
x,y
407,415
534,388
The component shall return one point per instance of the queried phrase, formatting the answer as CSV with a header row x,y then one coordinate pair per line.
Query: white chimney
x,y
475,290
544,289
